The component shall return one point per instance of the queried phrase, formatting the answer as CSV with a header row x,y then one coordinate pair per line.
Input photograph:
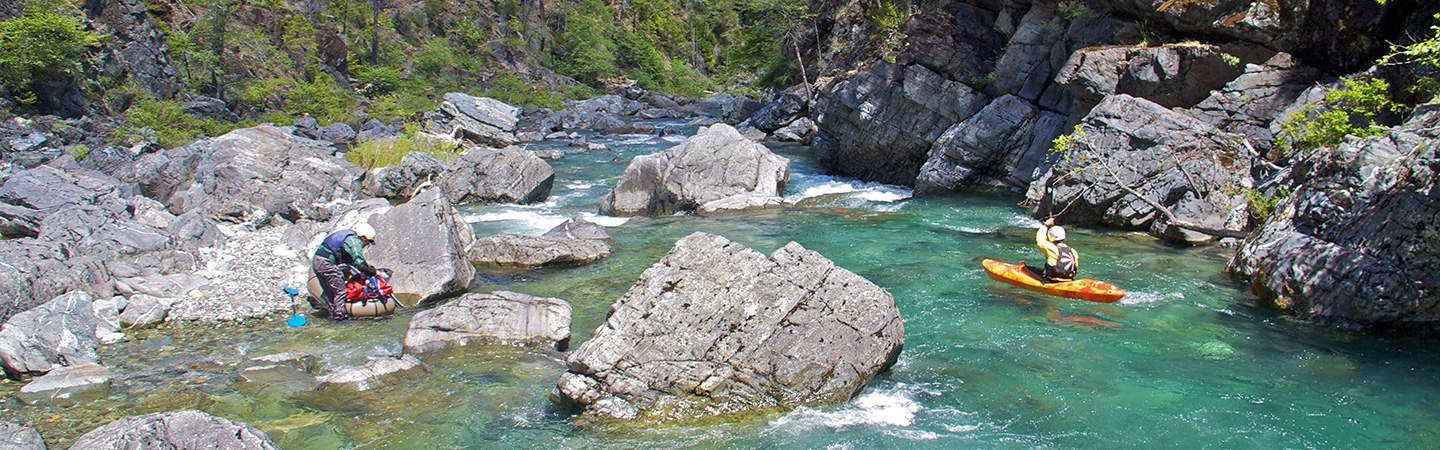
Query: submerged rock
x,y
65,383
373,374
716,328
19,437
182,429
714,164
502,317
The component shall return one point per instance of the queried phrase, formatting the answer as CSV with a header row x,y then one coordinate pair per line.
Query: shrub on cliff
x,y
41,44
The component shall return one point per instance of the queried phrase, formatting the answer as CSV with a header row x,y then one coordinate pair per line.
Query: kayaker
x,y
1062,263
341,247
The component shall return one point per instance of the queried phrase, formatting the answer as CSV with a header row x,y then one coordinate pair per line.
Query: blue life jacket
x,y
333,247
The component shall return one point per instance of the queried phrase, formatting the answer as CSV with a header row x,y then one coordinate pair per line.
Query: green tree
x,y
41,44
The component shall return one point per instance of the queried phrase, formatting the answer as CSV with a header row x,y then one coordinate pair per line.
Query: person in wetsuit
x,y
340,247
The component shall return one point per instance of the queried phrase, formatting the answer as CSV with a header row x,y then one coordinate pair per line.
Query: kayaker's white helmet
x,y
1057,233
365,231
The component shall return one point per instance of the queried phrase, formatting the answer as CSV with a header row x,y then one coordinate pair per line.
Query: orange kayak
x,y
1083,289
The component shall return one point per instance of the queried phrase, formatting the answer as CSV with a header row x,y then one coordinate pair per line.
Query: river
x,y
1189,358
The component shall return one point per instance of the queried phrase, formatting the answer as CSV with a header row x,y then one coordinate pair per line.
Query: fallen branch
x,y
1170,216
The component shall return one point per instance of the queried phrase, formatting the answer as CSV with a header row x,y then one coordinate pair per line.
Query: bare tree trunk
x,y
795,41
1170,216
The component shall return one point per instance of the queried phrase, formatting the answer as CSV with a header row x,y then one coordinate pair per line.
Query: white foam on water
x,y
535,220
962,428
1140,298
892,408
1024,221
914,435
579,185
606,221
871,192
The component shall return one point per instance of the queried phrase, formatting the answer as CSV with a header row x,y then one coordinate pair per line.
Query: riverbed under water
x,y
1188,358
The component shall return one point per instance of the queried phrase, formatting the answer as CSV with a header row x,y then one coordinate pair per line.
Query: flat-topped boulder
x,y
373,374
498,317
716,163
717,328
182,429
574,242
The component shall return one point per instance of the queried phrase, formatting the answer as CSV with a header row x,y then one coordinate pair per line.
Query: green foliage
x,y
885,14
1066,142
1073,10
1425,53
378,80
388,151
41,44
170,124
1230,59
1348,110
404,104
434,58
323,100
1261,204
509,88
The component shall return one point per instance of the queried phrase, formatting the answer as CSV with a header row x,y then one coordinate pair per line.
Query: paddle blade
x,y
296,321
291,291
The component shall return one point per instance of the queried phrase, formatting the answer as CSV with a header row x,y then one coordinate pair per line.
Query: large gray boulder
x,y
1358,239
61,332
18,437
878,125
1174,75
1174,159
778,113
717,328
374,373
498,317
180,430
404,180
574,242
480,120
422,241
267,169
1002,145
508,174
714,164
34,271
29,196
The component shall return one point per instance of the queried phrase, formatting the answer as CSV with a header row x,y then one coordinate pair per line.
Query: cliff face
x,y
1359,239
1171,109
1038,67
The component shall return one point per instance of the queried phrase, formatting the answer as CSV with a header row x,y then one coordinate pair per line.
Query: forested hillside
x,y
238,62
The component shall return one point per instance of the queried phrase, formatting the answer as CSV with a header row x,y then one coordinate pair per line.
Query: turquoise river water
x,y
1188,358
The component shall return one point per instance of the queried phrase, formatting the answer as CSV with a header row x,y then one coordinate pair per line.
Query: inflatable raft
x,y
1083,289
371,307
